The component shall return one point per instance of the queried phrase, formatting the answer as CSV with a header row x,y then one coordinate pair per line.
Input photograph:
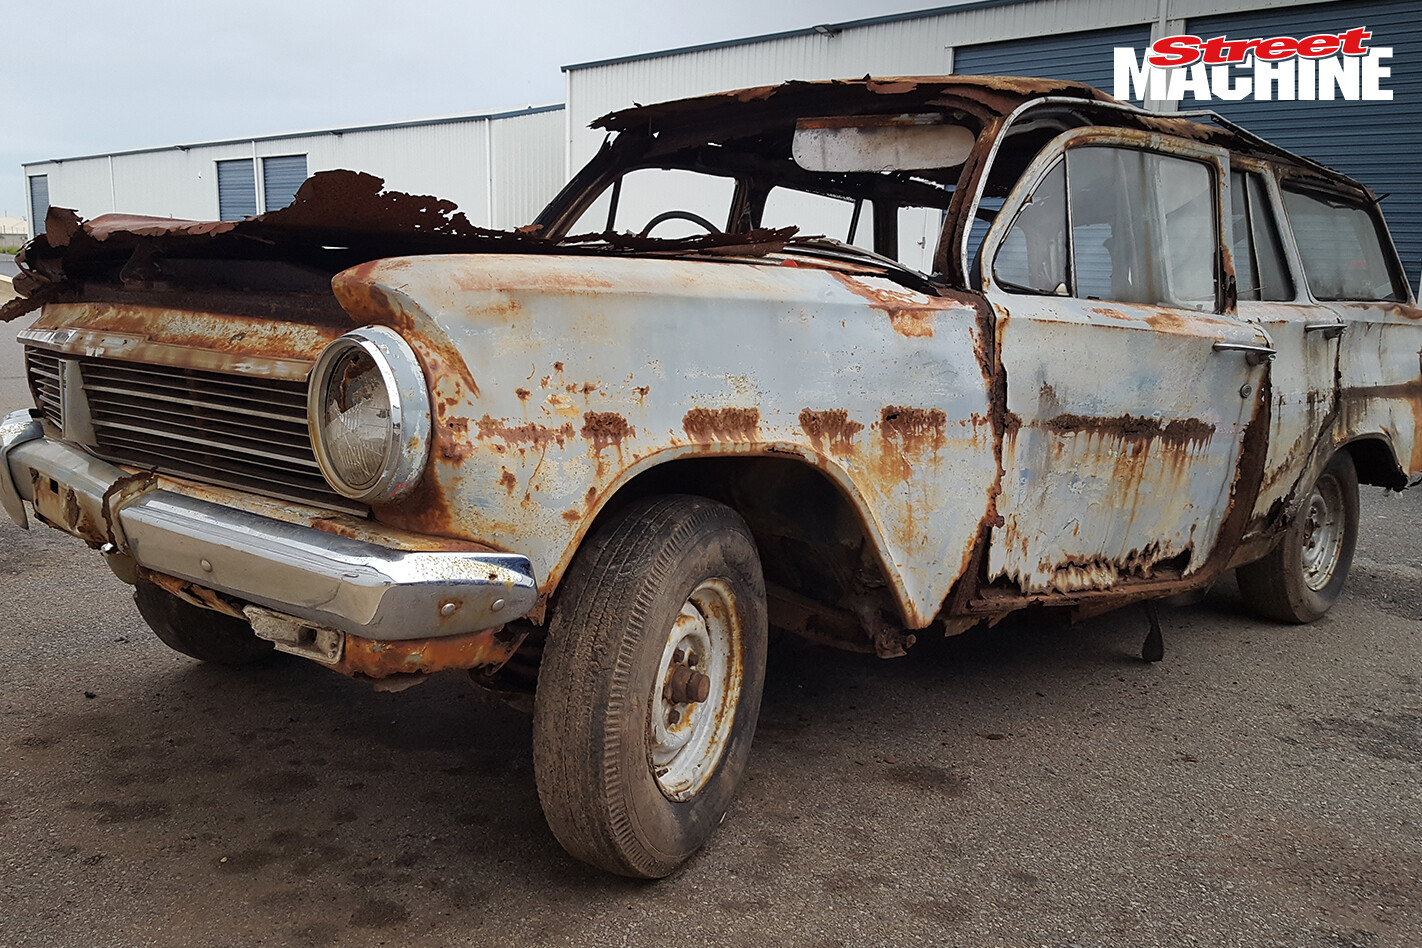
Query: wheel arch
x,y
1376,461
794,504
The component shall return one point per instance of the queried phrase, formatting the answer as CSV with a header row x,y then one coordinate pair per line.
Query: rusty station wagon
x,y
858,359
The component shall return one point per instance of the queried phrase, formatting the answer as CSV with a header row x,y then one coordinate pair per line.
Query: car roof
x,y
987,99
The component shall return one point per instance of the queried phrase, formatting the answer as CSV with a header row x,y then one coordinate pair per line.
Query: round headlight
x,y
368,409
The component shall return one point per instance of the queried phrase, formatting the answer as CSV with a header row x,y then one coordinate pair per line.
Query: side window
x,y
1142,227
642,194
1260,270
1116,224
840,218
1032,257
1340,246
852,222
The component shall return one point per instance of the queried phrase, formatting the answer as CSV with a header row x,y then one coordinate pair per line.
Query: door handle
x,y
1254,355
1329,330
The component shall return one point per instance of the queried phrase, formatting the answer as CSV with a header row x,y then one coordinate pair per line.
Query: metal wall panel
x,y
527,153
1084,57
926,45
910,47
445,158
281,176
1376,142
39,202
236,189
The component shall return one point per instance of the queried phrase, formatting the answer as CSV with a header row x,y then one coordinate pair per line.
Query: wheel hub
x,y
698,684
1322,533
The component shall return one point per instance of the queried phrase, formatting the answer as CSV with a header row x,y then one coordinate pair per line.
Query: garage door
x,y
1375,142
1084,57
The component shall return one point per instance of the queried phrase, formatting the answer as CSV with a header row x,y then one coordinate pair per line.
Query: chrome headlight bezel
x,y
407,436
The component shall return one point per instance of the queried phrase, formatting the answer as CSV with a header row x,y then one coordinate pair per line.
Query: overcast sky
x,y
92,76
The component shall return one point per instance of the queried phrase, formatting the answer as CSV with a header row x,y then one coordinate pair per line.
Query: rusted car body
x,y
910,447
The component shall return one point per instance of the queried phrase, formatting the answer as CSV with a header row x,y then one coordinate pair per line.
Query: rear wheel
x,y
650,685
1304,574
199,633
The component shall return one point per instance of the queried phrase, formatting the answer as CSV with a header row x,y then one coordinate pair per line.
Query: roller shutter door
x,y
1376,142
1084,57
39,201
280,179
236,189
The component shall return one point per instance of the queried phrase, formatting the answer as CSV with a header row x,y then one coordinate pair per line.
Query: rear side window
x,y
1260,270
840,218
1341,247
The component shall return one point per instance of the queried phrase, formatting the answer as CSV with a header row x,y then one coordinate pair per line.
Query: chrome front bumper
x,y
328,580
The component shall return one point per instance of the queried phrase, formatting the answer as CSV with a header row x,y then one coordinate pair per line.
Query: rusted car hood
x,y
338,219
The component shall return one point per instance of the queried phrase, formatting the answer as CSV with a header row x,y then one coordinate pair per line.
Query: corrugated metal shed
x,y
451,158
919,43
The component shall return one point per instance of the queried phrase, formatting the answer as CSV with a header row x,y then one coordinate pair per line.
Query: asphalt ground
x,y
1033,784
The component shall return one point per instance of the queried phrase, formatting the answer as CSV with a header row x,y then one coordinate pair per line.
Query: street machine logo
x,y
1321,67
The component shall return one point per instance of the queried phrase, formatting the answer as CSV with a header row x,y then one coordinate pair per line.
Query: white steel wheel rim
x,y
688,738
1322,533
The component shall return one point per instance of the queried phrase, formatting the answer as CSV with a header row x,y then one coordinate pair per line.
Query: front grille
x,y
43,369
246,432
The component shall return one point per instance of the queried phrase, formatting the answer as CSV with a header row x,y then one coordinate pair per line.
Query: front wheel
x,y
203,634
650,685
1303,575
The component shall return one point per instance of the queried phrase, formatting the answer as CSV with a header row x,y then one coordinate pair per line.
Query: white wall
x,y
448,159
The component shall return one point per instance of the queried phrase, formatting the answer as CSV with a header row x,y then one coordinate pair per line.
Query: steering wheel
x,y
696,219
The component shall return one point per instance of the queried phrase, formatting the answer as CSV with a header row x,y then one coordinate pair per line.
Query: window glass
x,y
1245,281
1142,227
1338,241
1109,208
1260,271
648,192
1186,204
1033,253
1275,283
820,214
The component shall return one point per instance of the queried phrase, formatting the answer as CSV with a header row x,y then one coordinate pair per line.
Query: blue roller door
x,y
39,201
236,189
281,177
1084,57
1088,56
1376,142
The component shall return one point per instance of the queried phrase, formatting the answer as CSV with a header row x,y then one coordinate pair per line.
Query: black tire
x,y
605,679
199,633
1301,578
